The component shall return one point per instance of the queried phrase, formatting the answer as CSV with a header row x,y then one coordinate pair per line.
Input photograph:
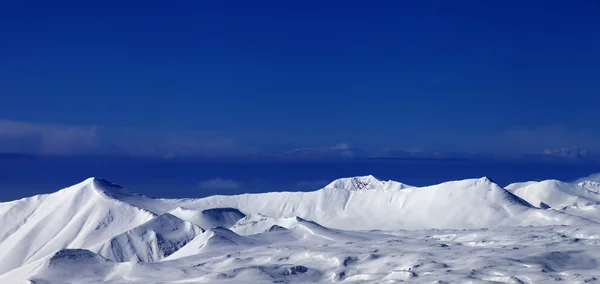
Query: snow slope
x,y
593,186
258,223
151,241
216,239
209,218
555,194
79,216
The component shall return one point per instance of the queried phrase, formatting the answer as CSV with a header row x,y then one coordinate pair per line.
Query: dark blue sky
x,y
231,77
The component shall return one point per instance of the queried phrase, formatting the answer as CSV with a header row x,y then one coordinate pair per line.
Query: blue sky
x,y
232,78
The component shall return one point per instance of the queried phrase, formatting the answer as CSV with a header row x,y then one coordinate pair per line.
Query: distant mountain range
x,y
567,155
346,153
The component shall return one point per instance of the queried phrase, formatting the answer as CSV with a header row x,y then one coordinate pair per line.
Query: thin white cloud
x,y
548,137
50,139
25,137
219,183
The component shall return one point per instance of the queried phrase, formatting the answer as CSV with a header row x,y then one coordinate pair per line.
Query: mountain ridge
x,y
99,220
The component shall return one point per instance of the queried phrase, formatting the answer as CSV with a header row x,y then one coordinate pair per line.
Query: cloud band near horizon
x,y
51,139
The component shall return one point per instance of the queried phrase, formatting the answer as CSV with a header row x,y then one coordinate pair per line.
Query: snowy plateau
x,y
354,230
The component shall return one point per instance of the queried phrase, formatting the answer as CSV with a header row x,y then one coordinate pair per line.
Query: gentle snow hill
x,y
209,218
79,216
297,231
215,240
258,223
151,241
514,186
296,228
555,194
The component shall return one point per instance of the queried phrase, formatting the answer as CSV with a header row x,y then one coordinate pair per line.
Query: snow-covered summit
x,y
593,186
97,186
368,182
107,187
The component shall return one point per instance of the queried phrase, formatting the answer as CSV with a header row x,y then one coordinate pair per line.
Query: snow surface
x,y
357,229
151,241
590,185
366,183
209,218
555,194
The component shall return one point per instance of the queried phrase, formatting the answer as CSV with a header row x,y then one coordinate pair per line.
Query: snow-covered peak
x,y
78,216
357,183
108,188
97,186
593,186
368,182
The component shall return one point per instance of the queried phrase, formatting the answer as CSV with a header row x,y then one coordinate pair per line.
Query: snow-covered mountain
x,y
555,194
79,216
109,234
458,204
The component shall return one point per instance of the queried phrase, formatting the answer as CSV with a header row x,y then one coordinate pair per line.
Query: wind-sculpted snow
x,y
151,241
555,254
353,230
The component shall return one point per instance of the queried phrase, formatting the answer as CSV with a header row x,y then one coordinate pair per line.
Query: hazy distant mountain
x,y
338,152
572,153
